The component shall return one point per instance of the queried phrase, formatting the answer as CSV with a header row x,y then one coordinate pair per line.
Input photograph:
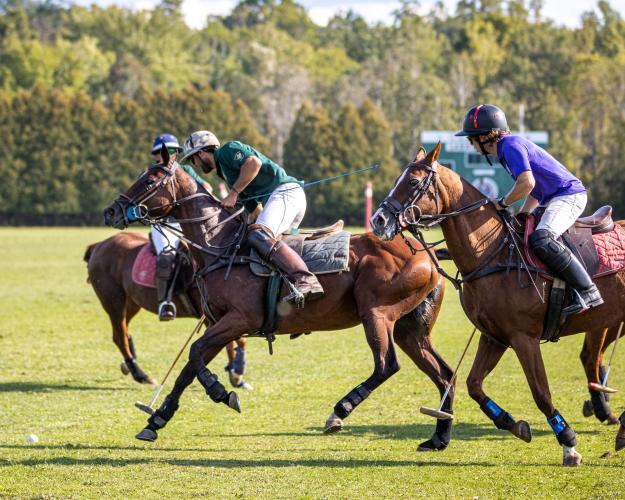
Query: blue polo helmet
x,y
168,140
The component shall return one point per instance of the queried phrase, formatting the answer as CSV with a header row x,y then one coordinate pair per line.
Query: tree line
x,y
83,91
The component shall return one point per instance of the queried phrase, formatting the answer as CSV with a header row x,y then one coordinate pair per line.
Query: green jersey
x,y
229,159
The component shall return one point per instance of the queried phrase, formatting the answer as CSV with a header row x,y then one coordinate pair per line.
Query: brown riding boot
x,y
288,261
165,266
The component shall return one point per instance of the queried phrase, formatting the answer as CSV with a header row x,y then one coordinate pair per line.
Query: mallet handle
x,y
607,371
195,330
453,377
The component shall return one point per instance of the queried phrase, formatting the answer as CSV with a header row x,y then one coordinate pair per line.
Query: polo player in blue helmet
x,y
542,180
165,241
263,185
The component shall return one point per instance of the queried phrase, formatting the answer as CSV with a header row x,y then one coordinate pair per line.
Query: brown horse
x,y
382,289
109,266
506,314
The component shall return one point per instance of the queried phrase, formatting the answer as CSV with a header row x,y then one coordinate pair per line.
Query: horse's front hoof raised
x,y
612,419
570,457
620,439
587,409
124,368
233,401
147,434
522,430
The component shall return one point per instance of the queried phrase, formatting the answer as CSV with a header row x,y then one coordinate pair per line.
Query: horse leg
x,y
488,354
592,358
528,352
237,361
379,332
201,353
413,335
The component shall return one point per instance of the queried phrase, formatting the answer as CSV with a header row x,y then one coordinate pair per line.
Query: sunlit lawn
x,y
60,380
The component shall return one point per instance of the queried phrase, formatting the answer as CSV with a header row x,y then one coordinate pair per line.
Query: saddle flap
x,y
599,222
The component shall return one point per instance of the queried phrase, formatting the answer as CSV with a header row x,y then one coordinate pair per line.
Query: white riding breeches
x,y
163,238
562,212
284,209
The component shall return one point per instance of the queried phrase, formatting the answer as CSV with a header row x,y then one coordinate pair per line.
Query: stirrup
x,y
167,311
577,307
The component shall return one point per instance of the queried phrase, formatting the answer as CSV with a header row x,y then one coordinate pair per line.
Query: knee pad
x,y
550,250
261,239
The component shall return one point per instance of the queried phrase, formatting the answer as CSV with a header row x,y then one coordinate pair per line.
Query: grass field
x,y
60,380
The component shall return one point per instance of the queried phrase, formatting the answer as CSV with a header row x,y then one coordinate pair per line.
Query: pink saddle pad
x,y
610,249
144,268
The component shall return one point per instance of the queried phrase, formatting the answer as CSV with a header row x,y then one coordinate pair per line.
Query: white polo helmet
x,y
198,140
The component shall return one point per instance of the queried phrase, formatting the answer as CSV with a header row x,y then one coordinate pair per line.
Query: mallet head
x,y
143,407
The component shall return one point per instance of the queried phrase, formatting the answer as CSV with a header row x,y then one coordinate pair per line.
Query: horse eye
x,y
414,181
149,182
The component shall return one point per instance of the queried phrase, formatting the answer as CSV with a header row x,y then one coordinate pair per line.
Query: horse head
x,y
414,194
152,197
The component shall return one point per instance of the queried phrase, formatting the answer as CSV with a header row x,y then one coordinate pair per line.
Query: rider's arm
x,y
249,170
522,188
530,204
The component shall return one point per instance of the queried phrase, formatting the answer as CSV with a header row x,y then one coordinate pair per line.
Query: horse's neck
x,y
472,237
200,233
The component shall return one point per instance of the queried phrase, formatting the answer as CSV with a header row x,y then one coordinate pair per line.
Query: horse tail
x,y
87,256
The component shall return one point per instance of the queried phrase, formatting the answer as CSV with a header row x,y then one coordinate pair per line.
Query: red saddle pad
x,y
610,249
144,268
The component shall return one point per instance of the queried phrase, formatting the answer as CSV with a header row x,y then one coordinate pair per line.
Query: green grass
x,y
60,380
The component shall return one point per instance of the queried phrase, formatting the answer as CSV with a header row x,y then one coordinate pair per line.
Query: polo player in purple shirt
x,y
542,180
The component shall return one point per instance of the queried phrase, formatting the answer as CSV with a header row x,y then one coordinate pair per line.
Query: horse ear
x,y
420,154
164,154
434,154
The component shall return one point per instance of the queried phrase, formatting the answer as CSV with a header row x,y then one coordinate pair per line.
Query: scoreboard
x,y
460,156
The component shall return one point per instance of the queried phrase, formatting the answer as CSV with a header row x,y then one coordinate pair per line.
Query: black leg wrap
x,y
346,405
165,412
505,421
215,389
136,372
443,430
600,405
621,419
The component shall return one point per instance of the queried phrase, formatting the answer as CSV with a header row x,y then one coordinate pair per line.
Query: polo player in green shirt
x,y
259,180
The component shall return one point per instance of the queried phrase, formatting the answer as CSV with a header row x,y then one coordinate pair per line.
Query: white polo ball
x,y
32,438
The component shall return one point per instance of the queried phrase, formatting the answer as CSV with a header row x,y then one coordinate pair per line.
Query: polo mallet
x,y
438,412
148,408
593,386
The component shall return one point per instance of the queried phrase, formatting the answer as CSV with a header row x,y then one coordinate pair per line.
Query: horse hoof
x,y
429,445
620,439
587,409
124,368
147,434
148,380
333,424
522,430
612,419
244,385
233,401
235,378
570,457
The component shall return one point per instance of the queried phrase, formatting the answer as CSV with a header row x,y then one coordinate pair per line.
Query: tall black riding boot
x,y
288,261
566,265
165,267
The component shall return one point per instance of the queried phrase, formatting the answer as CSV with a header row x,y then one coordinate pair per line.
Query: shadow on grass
x,y
50,387
235,463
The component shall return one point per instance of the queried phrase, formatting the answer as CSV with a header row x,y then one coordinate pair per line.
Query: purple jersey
x,y
517,155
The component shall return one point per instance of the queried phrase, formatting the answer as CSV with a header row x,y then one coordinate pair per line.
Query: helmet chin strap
x,y
484,152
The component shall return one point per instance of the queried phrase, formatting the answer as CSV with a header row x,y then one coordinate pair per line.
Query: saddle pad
x,y
326,255
610,249
144,267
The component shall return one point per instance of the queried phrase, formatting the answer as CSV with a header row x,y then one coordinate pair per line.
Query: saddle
x,y
324,250
596,241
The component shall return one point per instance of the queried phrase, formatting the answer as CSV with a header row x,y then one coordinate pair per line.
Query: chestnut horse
x,y
109,266
382,289
505,313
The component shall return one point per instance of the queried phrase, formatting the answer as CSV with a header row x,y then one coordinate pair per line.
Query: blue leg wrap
x,y
501,418
564,433
239,362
